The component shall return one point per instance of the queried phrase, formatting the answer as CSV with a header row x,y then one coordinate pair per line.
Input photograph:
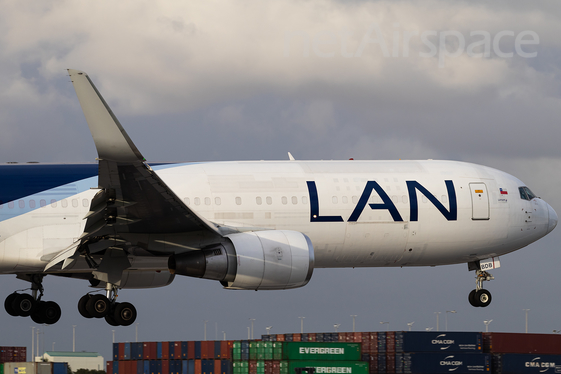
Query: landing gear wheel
x,y
8,304
125,314
37,315
98,306
82,306
51,312
110,320
471,298
24,305
483,298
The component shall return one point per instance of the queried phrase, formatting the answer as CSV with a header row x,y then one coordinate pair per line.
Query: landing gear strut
x,y
25,305
106,306
480,297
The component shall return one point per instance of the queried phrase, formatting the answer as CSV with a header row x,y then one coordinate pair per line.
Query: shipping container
x,y
348,367
60,368
149,351
165,350
321,351
121,351
127,351
171,351
217,349
511,363
184,350
43,368
198,367
207,366
225,367
136,351
115,351
108,367
139,366
198,350
146,369
436,363
178,355
207,350
504,342
13,354
421,341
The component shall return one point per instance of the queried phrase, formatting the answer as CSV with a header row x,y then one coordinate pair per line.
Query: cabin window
x,y
269,200
344,199
75,203
64,203
258,200
197,201
187,201
207,200
354,199
334,200
21,204
217,201
85,203
304,200
284,200
238,200
53,203
42,203
294,200
32,204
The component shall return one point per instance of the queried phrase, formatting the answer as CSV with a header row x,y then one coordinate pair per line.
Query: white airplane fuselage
x,y
356,213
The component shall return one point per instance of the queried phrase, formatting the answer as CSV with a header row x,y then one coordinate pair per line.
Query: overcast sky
x,y
249,80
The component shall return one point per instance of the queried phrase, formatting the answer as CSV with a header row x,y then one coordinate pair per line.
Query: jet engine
x,y
260,260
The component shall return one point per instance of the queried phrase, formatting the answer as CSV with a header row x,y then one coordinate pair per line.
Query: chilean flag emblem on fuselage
x,y
503,191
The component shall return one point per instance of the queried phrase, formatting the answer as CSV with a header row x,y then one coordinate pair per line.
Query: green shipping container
x,y
314,351
331,367
283,367
240,367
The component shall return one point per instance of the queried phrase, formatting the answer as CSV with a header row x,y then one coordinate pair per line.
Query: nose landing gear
x,y
480,297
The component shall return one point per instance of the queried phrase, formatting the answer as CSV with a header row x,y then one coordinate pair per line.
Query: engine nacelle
x,y
260,260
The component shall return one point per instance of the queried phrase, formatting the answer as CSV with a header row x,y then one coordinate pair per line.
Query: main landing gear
x,y
25,305
480,296
106,306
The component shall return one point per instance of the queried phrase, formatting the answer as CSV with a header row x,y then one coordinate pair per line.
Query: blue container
x,y
60,368
115,351
115,367
172,368
154,367
440,363
526,363
225,367
382,363
127,351
146,367
191,367
420,341
198,350
159,350
184,350
184,367
382,342
137,351
139,367
207,366
217,349
172,351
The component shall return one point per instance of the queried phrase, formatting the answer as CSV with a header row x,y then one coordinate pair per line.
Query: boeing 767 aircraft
x,y
254,225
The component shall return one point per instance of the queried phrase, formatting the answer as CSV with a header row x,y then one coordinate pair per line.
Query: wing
x,y
132,199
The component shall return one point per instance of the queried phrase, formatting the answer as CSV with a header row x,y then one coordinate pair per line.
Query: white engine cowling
x,y
260,260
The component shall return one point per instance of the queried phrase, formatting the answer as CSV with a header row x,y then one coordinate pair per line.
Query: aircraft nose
x,y
553,219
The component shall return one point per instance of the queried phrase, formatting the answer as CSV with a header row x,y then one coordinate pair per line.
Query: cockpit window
x,y
526,194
